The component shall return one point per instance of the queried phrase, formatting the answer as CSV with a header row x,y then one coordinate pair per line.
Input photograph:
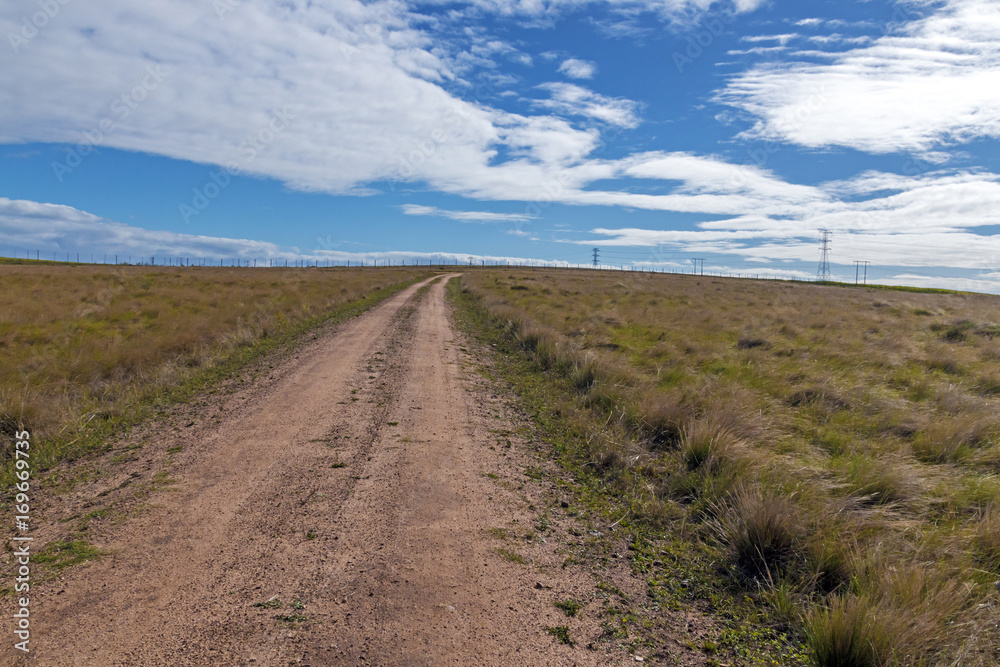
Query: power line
x,y
824,259
857,264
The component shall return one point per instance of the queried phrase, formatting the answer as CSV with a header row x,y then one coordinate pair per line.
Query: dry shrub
x,y
897,615
842,634
759,530
939,359
830,550
990,353
530,336
583,373
18,410
707,444
750,342
954,400
734,407
605,459
988,385
986,540
946,441
659,417
880,481
822,396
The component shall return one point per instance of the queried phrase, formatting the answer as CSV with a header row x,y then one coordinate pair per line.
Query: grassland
x,y
827,457
89,349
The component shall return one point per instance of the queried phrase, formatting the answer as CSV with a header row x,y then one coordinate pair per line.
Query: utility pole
x,y
857,264
823,273
695,260
596,251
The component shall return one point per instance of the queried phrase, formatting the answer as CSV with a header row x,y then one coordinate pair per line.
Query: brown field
x,y
837,449
85,344
812,467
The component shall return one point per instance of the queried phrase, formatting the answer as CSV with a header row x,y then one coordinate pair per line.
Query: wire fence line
x,y
244,262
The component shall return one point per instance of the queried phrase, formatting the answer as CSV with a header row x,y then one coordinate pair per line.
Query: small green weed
x,y
273,603
561,632
512,556
571,607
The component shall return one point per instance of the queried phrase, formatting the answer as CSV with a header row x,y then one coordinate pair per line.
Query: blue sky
x,y
657,132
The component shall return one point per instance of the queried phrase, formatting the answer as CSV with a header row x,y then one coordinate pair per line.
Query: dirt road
x,y
353,505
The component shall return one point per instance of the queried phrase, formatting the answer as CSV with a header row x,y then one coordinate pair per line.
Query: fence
x,y
243,262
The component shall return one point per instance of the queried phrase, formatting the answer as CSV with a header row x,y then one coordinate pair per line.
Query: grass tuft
x,y
759,530
986,540
707,445
879,481
844,634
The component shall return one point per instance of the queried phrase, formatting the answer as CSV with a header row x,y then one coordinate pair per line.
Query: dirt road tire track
x,y
339,516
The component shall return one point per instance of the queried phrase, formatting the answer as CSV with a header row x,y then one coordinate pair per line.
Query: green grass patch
x,y
61,554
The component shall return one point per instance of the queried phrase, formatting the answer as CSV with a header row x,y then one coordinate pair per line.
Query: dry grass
x,y
759,528
986,540
85,344
839,445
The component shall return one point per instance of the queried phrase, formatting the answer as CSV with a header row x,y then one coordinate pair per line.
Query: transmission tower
x,y
857,264
595,257
824,258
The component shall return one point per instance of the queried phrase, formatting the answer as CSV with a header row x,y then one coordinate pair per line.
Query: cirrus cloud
x,y
932,81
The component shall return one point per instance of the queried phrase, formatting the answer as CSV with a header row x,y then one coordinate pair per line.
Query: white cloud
x,y
782,39
30,226
465,216
27,226
981,283
757,51
570,99
938,219
365,93
578,69
672,10
837,38
933,82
